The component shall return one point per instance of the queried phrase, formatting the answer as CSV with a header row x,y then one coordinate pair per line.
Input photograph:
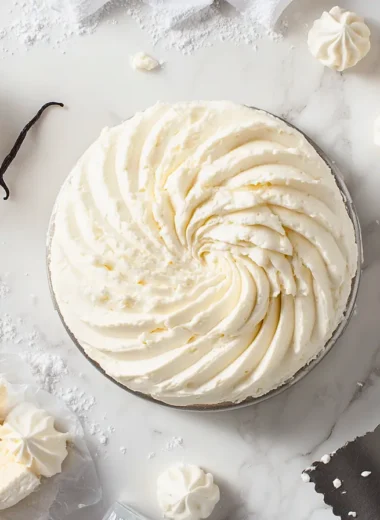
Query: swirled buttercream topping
x,y
202,252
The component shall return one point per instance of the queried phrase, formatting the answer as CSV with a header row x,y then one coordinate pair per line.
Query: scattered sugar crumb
x,y
359,383
326,459
353,514
187,30
4,289
103,439
79,401
174,443
377,222
151,455
93,428
142,61
337,483
366,473
305,477
48,369
123,450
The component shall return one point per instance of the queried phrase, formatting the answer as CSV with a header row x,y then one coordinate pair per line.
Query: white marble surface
x,y
256,454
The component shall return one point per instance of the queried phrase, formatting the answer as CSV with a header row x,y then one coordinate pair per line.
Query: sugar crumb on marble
x,y
103,439
151,455
174,443
144,62
366,474
337,483
4,290
353,514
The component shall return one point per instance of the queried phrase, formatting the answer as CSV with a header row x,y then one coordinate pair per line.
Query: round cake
x,y
201,253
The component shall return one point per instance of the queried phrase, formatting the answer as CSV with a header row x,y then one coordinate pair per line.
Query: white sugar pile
x,y
34,22
219,22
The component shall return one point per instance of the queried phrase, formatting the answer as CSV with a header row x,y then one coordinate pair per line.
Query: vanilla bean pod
x,y
16,147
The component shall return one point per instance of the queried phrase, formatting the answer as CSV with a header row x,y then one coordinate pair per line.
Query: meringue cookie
x,y
339,39
28,433
186,492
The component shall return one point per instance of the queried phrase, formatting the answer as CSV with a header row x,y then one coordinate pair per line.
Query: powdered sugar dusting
x,y
8,331
4,289
190,32
76,399
174,443
34,22
49,369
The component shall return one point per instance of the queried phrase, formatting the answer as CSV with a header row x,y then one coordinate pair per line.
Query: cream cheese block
x,y
16,481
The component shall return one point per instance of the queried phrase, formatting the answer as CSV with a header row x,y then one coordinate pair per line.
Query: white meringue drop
x,y
339,39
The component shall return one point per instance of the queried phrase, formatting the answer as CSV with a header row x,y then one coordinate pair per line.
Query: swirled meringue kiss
x,y
202,252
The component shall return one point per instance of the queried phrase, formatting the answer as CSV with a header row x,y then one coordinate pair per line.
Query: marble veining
x,y
257,453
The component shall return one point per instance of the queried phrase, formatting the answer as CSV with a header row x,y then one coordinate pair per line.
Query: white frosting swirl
x,y
339,39
186,492
202,252
28,433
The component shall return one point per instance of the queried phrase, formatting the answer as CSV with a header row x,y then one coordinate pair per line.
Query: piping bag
x,y
121,511
349,479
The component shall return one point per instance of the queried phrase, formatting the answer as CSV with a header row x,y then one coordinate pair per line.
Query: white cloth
x,y
78,9
267,11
